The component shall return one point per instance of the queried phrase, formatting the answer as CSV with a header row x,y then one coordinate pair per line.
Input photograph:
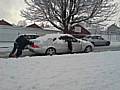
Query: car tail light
x,y
35,46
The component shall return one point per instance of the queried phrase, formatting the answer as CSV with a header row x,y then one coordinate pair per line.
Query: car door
x,y
96,40
101,41
76,45
60,45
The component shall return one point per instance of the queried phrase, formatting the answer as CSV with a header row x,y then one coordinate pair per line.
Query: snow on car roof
x,y
54,35
28,34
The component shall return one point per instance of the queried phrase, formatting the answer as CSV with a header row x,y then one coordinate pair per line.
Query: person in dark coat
x,y
69,42
70,46
20,43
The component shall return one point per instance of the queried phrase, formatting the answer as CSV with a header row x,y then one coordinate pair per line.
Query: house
x,y
79,31
5,31
94,28
113,29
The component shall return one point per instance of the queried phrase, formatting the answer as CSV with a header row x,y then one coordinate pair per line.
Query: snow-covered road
x,y
87,71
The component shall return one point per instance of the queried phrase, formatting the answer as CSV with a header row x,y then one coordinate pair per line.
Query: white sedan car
x,y
50,44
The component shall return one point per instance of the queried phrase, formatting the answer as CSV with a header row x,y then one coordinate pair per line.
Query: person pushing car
x,y
20,43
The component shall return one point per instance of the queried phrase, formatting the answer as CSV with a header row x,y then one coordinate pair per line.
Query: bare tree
x,y
68,12
22,23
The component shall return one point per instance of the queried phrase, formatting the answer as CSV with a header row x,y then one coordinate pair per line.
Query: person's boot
x,y
12,55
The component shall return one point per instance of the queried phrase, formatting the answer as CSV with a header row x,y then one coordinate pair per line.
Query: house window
x,y
78,29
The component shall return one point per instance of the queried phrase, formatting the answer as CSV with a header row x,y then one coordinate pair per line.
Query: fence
x,y
111,37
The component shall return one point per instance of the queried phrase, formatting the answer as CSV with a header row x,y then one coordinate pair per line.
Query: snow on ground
x,y
86,71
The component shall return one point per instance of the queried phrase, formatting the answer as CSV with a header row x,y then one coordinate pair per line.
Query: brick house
x,y
79,31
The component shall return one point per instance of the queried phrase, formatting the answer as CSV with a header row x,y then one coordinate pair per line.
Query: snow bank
x,y
90,71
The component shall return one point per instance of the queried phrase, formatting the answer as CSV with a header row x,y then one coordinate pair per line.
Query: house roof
x,y
113,26
114,29
34,26
3,22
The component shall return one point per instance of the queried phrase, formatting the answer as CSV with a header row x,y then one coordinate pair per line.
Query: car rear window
x,y
32,36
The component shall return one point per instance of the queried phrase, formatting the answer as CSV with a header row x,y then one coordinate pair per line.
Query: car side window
x,y
62,38
94,37
74,40
100,38
29,37
33,36
88,37
68,38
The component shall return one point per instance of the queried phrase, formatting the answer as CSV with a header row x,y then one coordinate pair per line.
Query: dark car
x,y
97,40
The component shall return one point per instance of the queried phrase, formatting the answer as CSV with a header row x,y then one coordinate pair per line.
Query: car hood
x,y
85,42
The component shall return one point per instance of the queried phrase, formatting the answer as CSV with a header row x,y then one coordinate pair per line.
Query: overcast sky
x,y
10,10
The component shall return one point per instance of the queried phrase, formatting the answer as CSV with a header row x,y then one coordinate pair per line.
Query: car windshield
x,y
88,37
94,37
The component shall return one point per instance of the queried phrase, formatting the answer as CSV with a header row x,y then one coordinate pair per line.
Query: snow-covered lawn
x,y
86,71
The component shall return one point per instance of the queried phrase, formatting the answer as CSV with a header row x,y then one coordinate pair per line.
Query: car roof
x,y
28,34
54,35
59,34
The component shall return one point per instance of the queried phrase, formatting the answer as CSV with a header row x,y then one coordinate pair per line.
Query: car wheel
x,y
88,49
50,51
107,43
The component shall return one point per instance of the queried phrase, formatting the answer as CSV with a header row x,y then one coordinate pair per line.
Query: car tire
x,y
88,49
50,51
107,43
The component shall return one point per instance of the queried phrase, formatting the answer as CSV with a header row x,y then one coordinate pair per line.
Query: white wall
x,y
9,33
